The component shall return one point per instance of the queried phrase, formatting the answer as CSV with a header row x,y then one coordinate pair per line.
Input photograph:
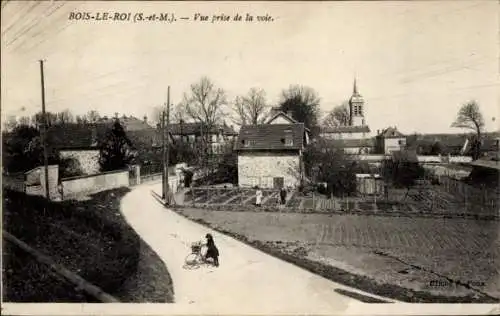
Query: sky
x,y
415,62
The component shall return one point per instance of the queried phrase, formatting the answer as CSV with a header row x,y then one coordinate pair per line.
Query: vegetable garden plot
x,y
250,201
271,201
364,206
223,197
308,203
294,202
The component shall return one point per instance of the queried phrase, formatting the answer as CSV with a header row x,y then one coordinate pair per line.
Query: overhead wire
x,y
46,31
108,74
20,16
25,27
43,17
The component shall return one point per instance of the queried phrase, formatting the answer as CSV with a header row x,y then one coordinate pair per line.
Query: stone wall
x,y
35,181
94,183
88,159
256,168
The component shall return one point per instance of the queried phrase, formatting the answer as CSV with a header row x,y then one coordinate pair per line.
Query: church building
x,y
355,137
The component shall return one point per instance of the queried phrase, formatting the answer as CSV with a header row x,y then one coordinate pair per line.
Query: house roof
x,y
285,115
195,128
87,136
129,123
391,132
76,136
270,137
346,129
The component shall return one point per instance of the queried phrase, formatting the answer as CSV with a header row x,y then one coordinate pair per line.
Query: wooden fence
x,y
228,195
468,194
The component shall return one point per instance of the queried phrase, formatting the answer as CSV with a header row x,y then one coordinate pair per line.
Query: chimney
x,y
145,119
378,132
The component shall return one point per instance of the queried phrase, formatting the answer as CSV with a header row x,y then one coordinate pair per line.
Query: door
x,y
278,182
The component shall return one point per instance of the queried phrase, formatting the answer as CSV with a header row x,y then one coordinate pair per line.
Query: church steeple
x,y
356,107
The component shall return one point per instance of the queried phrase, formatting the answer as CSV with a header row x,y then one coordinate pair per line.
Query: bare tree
x,y
37,119
251,108
470,117
177,113
205,104
11,122
81,119
339,116
64,117
92,116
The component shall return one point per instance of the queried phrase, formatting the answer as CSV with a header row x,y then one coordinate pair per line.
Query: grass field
x,y
404,252
89,238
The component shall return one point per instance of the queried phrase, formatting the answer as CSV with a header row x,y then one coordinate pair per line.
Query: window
x,y
288,141
247,143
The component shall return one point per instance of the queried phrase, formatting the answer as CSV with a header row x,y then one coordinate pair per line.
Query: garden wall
x,y
94,183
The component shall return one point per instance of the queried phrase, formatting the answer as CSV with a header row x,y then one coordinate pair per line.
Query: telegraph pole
x,y
163,195
167,158
44,135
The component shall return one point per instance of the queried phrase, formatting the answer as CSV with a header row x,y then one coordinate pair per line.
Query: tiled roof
x,y
346,129
391,132
75,135
145,137
271,137
195,128
281,113
81,136
129,123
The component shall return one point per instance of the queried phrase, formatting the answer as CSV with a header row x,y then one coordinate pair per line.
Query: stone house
x,y
220,138
81,141
271,155
389,140
354,146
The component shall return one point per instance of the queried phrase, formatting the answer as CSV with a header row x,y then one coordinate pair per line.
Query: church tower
x,y
356,108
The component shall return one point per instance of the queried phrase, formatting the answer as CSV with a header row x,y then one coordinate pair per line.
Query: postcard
x,y
250,157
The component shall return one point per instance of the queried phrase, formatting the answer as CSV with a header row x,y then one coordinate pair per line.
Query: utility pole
x,y
44,135
163,190
167,158
165,133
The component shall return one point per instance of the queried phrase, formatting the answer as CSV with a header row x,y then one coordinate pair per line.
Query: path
x,y
248,280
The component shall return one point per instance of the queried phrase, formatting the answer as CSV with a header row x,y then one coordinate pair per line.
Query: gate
x,y
132,176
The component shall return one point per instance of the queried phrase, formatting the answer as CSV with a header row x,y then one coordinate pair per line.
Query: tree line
x,y
53,118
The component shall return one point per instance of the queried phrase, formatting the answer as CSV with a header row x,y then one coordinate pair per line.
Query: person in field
x,y
258,197
212,251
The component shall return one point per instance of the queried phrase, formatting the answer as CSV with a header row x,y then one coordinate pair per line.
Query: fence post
x,y
313,206
192,194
